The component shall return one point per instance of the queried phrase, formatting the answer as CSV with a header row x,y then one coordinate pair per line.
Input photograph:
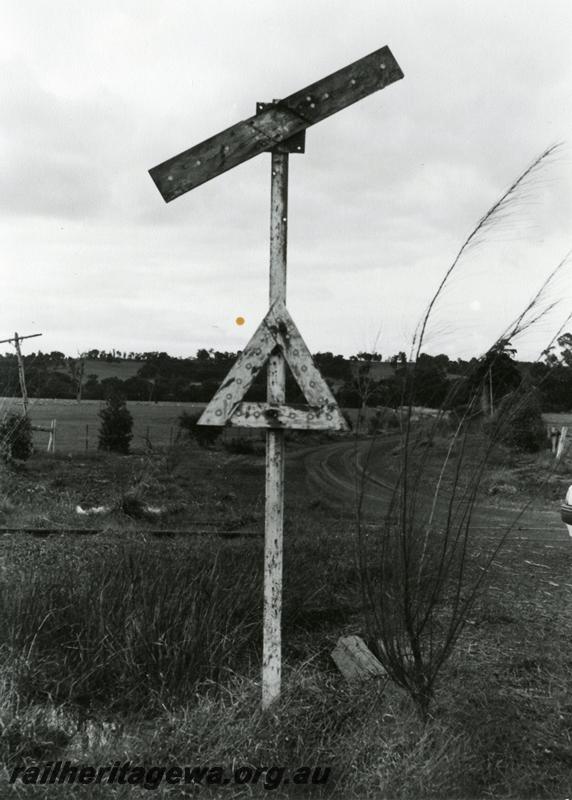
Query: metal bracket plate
x,y
295,144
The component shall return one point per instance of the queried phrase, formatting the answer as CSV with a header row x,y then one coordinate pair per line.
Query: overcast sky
x,y
94,94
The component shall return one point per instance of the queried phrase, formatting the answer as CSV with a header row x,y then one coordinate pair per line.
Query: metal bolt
x,y
239,381
304,368
198,162
249,365
170,178
218,412
229,397
295,352
382,66
312,383
353,81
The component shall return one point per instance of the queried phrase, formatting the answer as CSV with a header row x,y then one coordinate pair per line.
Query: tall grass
x,y
424,573
132,626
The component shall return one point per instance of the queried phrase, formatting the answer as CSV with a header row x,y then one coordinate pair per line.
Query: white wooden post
x,y
561,442
274,512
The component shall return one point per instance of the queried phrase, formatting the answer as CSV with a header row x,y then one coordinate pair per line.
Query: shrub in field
x,y
203,435
518,423
16,436
116,425
241,446
383,419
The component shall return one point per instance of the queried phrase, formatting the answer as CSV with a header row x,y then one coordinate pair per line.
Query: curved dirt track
x,y
337,472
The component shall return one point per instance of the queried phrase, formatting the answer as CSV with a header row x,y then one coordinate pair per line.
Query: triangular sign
x,y
276,331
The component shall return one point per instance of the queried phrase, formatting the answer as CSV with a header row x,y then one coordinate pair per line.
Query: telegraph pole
x,y
21,373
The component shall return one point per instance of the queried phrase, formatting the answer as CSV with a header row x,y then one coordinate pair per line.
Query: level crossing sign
x,y
279,128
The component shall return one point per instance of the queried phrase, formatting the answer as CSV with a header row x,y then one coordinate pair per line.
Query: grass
x,y
140,626
501,726
122,647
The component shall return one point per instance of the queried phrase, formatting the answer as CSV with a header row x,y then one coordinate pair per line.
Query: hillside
x,y
123,369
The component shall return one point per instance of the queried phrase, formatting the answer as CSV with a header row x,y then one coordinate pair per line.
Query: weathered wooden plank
x,y
283,416
240,377
275,339
344,87
299,359
282,120
355,661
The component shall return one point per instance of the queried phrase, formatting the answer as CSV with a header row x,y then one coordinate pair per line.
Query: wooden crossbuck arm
x,y
270,127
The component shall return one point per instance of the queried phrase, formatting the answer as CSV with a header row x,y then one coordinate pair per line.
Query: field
x,y
77,423
142,642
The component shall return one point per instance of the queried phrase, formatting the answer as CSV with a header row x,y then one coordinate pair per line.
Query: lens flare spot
x,y
240,320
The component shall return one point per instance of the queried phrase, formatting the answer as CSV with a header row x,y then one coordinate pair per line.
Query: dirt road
x,y
337,472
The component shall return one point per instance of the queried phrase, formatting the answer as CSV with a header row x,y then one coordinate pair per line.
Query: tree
x,y
556,389
399,359
430,382
76,369
496,374
518,422
92,389
116,425
136,388
564,357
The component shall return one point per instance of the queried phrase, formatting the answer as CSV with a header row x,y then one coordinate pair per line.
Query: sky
x,y
94,94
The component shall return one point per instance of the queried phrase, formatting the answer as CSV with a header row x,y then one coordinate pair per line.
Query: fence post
x,y
52,439
561,442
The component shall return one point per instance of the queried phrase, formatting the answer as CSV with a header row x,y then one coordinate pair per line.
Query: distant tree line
x,y
364,379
